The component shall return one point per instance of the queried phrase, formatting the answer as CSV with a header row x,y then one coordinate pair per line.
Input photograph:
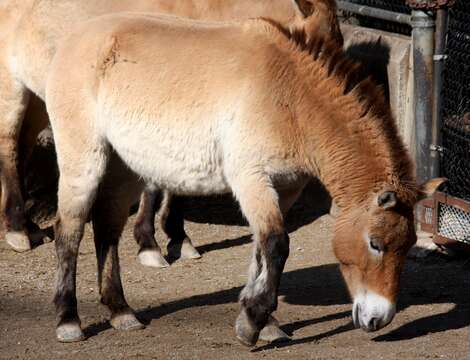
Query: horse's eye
x,y
375,245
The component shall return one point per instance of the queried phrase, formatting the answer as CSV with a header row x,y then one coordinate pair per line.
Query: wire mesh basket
x,y
454,223
447,218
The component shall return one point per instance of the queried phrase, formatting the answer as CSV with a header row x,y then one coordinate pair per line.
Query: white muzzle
x,y
371,311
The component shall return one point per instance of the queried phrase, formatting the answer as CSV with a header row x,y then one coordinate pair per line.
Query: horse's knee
x,y
68,236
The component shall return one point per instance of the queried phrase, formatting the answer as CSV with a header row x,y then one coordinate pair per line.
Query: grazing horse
x,y
250,108
29,33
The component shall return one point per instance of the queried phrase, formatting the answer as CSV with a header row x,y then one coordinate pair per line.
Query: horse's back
x,y
124,56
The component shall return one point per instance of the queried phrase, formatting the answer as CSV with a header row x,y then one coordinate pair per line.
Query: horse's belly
x,y
184,165
192,182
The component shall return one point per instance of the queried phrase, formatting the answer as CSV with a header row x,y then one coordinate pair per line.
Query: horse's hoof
x,y
188,251
126,322
69,333
152,258
246,332
272,333
18,240
185,250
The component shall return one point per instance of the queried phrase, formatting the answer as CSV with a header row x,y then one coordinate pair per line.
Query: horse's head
x,y
317,17
371,243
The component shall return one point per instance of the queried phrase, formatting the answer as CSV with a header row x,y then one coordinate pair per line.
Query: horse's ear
x,y
303,8
387,200
430,187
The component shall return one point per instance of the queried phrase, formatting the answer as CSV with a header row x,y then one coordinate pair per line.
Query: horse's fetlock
x,y
258,314
143,228
259,307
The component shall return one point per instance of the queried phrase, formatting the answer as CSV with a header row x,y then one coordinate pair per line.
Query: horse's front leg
x,y
259,203
287,197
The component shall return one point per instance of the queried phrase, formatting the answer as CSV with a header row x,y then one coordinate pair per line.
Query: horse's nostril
x,y
373,324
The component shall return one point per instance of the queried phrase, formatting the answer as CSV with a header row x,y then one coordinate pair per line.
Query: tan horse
x,y
204,108
29,33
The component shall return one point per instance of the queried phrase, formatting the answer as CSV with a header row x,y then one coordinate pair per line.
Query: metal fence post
x,y
439,60
423,26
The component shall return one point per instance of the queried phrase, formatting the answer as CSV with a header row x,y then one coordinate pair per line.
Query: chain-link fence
x,y
456,102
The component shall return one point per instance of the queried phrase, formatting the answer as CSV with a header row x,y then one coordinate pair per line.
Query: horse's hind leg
x,y
80,174
172,220
34,122
13,102
172,223
110,212
144,229
259,203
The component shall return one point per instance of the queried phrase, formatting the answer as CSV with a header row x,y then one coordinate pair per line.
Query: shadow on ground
x,y
436,281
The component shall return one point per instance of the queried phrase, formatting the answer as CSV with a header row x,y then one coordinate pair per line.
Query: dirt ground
x,y
190,307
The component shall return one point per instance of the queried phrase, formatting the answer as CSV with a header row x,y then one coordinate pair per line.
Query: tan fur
x,y
253,108
31,29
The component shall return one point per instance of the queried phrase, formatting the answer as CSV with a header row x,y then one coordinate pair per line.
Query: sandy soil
x,y
190,307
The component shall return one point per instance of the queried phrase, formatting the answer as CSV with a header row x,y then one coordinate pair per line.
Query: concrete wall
x,y
388,58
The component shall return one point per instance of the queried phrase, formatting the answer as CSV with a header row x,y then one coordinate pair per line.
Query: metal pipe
x,y
423,50
374,12
439,62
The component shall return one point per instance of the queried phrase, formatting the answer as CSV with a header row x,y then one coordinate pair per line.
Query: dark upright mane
x,y
375,107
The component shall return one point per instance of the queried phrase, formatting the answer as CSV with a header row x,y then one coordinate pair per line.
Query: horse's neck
x,y
348,140
339,151
349,175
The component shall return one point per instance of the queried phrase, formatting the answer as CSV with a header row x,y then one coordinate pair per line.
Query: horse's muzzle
x,y
371,311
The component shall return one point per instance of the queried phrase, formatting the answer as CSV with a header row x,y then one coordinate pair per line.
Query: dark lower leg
x,y
180,245
106,235
109,279
144,228
107,228
259,298
20,231
67,244
150,253
12,205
